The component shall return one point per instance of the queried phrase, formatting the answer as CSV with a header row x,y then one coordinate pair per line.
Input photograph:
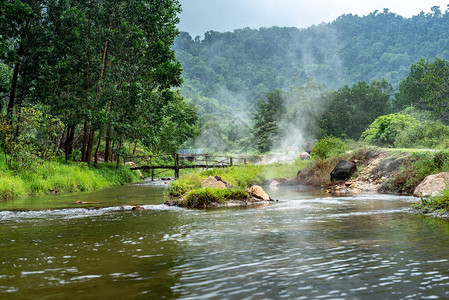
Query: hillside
x,y
225,73
349,49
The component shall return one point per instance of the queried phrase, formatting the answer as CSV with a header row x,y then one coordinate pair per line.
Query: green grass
x,y
48,176
203,196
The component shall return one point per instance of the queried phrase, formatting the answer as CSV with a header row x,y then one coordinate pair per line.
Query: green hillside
x,y
225,73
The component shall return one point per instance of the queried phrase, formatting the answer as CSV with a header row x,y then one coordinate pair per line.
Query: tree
x,y
266,131
426,87
105,66
21,42
350,110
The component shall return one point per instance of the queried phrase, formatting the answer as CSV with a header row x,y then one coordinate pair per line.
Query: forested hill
x,y
242,65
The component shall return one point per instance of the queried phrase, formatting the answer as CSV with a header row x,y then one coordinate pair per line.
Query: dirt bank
x,y
377,172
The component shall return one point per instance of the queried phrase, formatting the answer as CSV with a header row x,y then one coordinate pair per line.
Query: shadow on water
x,y
307,245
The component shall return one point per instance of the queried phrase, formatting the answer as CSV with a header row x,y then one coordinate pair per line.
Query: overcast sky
x,y
199,16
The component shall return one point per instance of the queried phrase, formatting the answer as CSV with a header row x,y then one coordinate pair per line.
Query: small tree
x,y
384,130
328,147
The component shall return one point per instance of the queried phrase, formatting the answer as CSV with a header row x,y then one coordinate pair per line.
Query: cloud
x,y
200,16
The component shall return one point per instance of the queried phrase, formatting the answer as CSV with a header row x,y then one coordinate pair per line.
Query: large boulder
x,y
343,170
258,192
432,185
212,182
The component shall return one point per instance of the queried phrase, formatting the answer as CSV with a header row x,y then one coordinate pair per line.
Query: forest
x,y
263,89
79,78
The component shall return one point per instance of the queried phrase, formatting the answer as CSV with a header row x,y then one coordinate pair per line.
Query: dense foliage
x,y
328,147
385,129
90,75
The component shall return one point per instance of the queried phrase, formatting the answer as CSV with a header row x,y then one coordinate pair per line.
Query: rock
x,y
171,202
212,182
432,185
301,171
258,192
304,156
343,170
138,207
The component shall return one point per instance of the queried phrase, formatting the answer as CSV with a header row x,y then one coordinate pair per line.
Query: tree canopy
x,y
105,68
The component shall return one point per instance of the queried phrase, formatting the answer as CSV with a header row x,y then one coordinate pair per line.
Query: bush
x,y
422,135
385,129
328,147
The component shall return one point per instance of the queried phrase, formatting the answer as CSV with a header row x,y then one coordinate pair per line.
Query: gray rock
x,y
343,170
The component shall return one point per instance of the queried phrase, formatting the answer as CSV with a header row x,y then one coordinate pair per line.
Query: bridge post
x,y
230,161
176,157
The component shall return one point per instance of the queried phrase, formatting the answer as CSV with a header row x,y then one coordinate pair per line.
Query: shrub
x,y
384,130
422,135
202,197
328,147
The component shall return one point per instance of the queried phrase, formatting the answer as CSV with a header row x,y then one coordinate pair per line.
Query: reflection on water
x,y
307,245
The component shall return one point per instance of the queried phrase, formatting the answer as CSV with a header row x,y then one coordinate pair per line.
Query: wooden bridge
x,y
178,161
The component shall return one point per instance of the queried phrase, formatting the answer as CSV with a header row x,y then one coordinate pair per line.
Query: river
x,y
306,245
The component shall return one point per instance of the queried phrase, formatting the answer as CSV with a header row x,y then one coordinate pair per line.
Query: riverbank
x,y
391,171
51,177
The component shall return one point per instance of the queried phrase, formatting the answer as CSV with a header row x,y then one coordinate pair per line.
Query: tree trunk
x,y
120,146
108,138
135,147
98,145
85,140
90,147
69,142
86,107
113,145
15,75
12,94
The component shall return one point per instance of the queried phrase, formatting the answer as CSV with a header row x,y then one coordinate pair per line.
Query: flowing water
x,y
306,245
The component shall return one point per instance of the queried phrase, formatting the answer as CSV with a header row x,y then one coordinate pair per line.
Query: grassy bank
x,y
52,177
239,177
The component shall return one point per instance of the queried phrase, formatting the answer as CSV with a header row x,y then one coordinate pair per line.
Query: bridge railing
x,y
178,161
